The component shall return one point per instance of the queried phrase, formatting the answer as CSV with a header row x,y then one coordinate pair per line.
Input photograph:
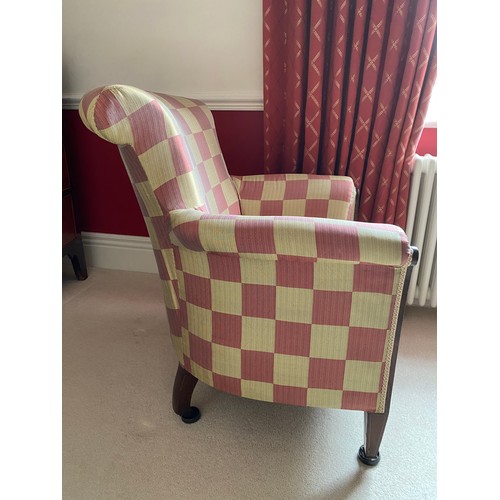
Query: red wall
x,y
428,142
103,196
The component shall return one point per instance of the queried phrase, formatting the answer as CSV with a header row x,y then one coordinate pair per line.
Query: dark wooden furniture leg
x,y
71,240
181,397
74,250
374,431
375,422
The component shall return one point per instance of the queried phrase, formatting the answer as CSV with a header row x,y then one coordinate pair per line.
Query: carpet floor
x,y
121,439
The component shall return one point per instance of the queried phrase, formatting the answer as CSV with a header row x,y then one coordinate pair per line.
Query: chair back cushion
x,y
179,158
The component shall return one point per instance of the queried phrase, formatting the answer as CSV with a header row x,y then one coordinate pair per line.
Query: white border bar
x,y
215,103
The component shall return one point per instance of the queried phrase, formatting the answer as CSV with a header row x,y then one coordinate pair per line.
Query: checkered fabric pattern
x,y
175,141
303,195
290,309
293,310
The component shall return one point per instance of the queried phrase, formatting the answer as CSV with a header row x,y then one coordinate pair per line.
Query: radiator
x,y
421,228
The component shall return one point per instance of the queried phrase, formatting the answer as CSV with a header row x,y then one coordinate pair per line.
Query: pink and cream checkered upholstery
x,y
272,291
303,195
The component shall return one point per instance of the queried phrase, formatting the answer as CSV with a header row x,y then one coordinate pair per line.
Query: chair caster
x,y
367,460
191,415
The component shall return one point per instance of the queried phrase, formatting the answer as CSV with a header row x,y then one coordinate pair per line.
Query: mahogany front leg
x,y
184,386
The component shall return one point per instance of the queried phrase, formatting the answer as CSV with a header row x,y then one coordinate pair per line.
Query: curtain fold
x,y
346,88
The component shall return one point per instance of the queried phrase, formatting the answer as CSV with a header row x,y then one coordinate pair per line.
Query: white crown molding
x,y
114,251
220,102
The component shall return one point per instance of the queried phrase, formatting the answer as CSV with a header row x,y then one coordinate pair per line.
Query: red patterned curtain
x,y
347,85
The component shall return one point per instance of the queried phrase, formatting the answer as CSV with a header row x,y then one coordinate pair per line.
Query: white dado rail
x,y
226,102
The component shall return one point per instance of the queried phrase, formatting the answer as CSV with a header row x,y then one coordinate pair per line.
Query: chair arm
x,y
292,238
308,195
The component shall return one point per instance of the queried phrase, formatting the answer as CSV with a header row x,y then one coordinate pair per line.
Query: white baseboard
x,y
114,251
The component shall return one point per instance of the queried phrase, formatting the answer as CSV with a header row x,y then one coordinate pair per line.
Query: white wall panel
x,y
210,49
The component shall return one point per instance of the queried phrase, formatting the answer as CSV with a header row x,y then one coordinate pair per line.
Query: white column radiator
x,y
421,228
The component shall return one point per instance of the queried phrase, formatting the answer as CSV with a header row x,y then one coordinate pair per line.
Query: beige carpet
x,y
121,439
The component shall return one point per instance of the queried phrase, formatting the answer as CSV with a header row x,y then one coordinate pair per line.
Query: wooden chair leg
x,y
184,386
374,431
375,422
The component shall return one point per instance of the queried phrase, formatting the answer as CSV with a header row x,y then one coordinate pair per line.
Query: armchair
x,y
272,291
